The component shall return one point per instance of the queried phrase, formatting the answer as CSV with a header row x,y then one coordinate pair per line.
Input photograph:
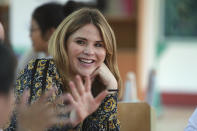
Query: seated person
x,y
83,50
7,76
40,114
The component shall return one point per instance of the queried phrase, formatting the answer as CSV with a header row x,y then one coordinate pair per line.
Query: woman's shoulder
x,y
42,60
36,64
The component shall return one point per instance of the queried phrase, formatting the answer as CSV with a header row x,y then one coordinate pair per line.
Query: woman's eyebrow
x,y
100,41
82,38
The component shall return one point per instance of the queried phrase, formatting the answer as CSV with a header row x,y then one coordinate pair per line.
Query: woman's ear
x,y
48,33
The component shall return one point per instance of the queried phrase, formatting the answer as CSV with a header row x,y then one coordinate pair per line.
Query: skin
x,y
39,42
6,108
82,104
2,32
86,53
106,77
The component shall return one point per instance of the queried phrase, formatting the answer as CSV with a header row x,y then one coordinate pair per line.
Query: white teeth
x,y
86,61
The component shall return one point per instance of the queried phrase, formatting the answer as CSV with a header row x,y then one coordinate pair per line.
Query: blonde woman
x,y
83,48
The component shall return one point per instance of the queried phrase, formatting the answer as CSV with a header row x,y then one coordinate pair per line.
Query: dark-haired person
x,y
7,76
45,19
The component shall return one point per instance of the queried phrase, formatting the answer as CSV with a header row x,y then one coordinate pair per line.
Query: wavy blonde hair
x,y
58,41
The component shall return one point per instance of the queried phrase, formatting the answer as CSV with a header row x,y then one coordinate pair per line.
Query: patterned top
x,y
103,119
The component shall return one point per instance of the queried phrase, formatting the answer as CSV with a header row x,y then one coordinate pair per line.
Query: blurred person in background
x,y
7,99
2,36
2,32
45,20
7,76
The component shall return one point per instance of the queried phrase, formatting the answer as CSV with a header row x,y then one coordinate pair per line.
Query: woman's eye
x,y
80,42
99,45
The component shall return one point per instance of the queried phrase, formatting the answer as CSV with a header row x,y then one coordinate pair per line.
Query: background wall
x,y
176,66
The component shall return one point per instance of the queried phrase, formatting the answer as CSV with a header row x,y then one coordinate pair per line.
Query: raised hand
x,y
39,115
82,100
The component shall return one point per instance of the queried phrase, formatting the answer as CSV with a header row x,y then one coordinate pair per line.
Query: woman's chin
x,y
85,74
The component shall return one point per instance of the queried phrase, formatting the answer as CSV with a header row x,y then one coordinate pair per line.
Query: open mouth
x,y
86,61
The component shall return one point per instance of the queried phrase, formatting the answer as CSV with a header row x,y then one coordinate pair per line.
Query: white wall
x,y
177,68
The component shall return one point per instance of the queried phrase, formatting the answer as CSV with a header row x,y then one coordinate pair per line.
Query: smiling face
x,y
86,51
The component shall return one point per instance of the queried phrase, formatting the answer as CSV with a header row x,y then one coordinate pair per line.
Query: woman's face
x,y
38,42
86,50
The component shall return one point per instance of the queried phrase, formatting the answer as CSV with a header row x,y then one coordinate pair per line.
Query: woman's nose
x,y
88,50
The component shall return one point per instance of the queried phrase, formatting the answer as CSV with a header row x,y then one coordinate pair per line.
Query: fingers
x,y
101,96
65,98
70,99
80,88
60,99
87,83
46,95
24,99
60,110
74,91
64,110
59,121
79,85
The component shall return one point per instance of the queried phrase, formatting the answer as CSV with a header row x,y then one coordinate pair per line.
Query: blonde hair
x,y
79,18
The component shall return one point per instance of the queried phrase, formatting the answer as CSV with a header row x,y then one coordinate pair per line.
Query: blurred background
x,y
157,44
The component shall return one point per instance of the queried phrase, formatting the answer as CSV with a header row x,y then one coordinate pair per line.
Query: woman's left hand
x,y
82,100
106,77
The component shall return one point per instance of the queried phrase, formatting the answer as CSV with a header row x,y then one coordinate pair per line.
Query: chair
x,y
135,117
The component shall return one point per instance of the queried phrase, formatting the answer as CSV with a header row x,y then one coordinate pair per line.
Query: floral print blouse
x,y
103,119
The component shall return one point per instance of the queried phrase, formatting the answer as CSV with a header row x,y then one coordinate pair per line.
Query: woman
x,y
45,20
83,47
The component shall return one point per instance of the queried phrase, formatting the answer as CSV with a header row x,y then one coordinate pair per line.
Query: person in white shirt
x,y
192,122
